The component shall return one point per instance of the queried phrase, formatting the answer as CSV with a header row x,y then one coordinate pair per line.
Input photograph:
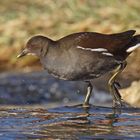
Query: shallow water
x,y
69,122
27,120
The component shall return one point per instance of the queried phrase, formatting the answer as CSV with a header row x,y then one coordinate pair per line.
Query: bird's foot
x,y
120,104
86,105
125,105
117,104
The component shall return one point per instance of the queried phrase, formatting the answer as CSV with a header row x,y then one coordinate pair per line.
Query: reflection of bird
x,y
85,56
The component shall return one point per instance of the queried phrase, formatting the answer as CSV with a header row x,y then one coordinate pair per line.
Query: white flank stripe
x,y
133,48
108,54
90,49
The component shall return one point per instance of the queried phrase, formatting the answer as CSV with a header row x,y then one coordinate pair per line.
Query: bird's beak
x,y
23,53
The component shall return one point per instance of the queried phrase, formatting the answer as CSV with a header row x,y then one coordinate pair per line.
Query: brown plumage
x,y
117,44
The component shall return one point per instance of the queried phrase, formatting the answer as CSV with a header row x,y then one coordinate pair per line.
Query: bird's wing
x,y
112,42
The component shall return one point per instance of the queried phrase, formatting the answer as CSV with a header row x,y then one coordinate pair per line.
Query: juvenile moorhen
x,y
84,56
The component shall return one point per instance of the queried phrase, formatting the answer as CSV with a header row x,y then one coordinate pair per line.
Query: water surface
x,y
69,122
28,120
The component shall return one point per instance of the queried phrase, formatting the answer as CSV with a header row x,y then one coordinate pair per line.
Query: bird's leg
x,y
113,85
88,94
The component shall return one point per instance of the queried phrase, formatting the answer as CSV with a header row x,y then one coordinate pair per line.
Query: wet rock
x,y
132,94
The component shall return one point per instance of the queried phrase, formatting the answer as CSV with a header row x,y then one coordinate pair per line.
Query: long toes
x,y
117,104
86,105
122,104
125,105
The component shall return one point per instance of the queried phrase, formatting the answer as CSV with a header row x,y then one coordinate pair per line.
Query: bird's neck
x,y
50,45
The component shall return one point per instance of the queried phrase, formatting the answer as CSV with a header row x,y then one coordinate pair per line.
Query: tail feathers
x,y
129,33
135,43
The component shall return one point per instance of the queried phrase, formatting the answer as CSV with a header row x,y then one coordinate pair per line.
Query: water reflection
x,y
69,122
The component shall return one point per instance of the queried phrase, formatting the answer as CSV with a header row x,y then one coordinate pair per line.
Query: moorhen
x,y
84,56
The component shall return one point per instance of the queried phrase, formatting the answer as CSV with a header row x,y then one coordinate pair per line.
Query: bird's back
x,y
114,43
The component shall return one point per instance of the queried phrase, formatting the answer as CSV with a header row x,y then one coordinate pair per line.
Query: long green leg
x,y
88,95
113,85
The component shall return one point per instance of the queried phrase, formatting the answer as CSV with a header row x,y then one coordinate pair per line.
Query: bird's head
x,y
36,45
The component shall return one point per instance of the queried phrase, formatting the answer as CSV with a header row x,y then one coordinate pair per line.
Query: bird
x,y
83,56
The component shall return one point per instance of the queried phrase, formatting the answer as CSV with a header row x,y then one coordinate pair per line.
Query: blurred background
x,y
23,81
